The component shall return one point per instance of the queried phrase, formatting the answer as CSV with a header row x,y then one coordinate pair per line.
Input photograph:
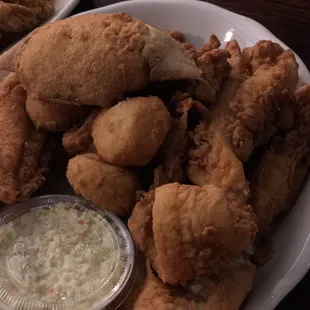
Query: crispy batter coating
x,y
130,133
79,139
195,229
22,158
54,117
245,120
172,155
214,64
123,55
212,160
253,109
23,15
281,169
226,291
110,187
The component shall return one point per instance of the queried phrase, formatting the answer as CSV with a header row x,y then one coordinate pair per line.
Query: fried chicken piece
x,y
212,160
226,291
177,35
278,176
22,158
54,117
215,67
196,230
123,55
252,111
130,133
79,139
172,154
243,122
20,16
109,187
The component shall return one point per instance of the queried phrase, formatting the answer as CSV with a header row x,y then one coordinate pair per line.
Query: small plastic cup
x,y
18,258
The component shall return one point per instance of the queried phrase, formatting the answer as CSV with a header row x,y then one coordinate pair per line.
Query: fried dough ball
x,y
54,117
130,133
110,187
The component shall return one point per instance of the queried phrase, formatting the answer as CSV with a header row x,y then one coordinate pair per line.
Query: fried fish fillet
x,y
225,291
22,158
123,55
281,169
195,230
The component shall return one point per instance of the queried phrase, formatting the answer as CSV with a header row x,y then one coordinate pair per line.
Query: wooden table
x,y
289,20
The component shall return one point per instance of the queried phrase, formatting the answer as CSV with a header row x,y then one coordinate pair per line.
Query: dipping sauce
x,y
62,256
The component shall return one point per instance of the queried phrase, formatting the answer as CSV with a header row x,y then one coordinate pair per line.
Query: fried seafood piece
x,y
130,133
24,15
195,230
123,55
281,169
54,117
172,155
212,159
245,121
225,291
23,161
79,139
109,187
254,107
214,64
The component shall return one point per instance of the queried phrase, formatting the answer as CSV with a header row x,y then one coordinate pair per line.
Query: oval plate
x,y
197,20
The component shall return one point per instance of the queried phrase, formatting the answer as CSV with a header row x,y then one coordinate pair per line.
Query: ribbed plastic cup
x,y
112,288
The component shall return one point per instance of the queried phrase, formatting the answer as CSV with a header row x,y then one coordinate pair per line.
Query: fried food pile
x,y
200,148
22,16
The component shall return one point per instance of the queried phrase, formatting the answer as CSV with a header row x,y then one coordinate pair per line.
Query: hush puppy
x,y
130,133
110,187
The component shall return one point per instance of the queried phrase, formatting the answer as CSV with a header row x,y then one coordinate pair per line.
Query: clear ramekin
x,y
111,291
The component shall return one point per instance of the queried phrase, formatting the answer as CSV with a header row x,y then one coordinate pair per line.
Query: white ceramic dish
x,y
198,20
63,8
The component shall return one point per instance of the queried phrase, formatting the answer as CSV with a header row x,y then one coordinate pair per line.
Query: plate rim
x,y
294,274
65,11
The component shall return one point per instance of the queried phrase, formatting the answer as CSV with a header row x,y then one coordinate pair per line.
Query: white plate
x,y
198,20
63,8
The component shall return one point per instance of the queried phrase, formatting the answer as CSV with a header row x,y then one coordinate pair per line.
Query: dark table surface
x,y
289,20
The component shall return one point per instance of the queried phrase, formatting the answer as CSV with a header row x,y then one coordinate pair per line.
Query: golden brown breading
x,y
22,158
54,117
244,121
172,155
20,16
252,111
281,169
226,291
123,55
213,162
130,133
215,67
110,187
78,139
196,230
